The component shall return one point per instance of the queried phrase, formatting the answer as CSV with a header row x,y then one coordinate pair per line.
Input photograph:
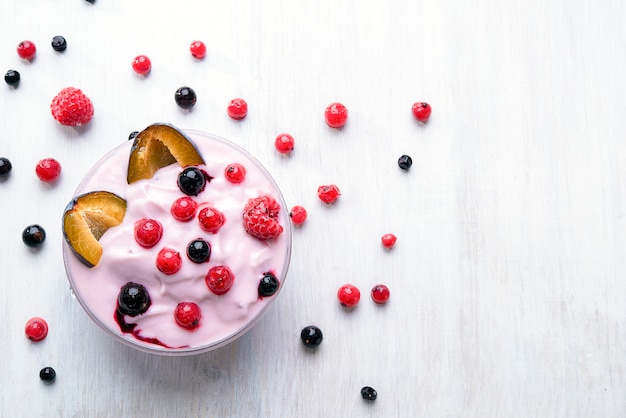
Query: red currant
x,y
26,50
349,295
237,109
211,219
187,315
148,232
219,279
380,293
197,49
336,115
168,261
284,143
36,329
298,215
328,193
235,173
48,170
421,111
142,64
388,240
184,209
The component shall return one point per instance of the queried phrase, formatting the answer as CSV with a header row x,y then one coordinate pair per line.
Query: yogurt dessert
x,y
177,242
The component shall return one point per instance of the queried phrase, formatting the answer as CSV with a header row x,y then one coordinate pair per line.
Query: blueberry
x,y
132,135
191,181
368,393
268,284
5,167
405,162
33,236
47,374
199,251
133,299
59,43
185,97
12,78
311,336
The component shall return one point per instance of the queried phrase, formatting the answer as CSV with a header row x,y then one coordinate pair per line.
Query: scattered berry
x,y
148,232
328,193
36,329
197,49
284,143
269,284
405,162
421,111
199,251
191,181
48,170
260,218
59,43
388,240
133,299
26,50
349,295
311,336
141,64
368,393
298,215
336,115
235,173
12,78
237,109
185,97
184,209
34,236
187,315
132,135
380,293
47,374
71,107
5,167
211,219
219,279
168,261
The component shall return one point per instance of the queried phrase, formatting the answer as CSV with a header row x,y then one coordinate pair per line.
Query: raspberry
x,y
148,232
380,293
284,143
388,240
211,219
328,193
349,295
71,107
219,279
187,315
235,173
26,50
260,218
298,215
336,115
48,170
36,329
168,261
141,64
184,209
421,111
237,109
197,49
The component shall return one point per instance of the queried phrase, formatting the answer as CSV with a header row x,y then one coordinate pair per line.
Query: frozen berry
x,y
380,293
269,284
235,173
187,315
12,78
71,107
336,115
26,50
148,232
284,143
211,219
199,251
421,111
48,170
237,109
219,279
311,336
368,393
141,64
36,329
405,162
168,261
132,135
133,299
34,236
388,240
191,181
185,97
5,167
349,295
298,215
260,218
59,43
184,209
197,49
47,374
328,193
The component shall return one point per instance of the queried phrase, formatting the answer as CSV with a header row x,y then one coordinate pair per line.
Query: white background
x,y
507,279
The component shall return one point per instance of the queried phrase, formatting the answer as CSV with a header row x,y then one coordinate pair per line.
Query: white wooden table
x,y
507,281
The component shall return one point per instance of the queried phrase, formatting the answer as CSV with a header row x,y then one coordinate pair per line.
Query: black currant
x,y
199,251
268,284
47,374
133,299
59,43
191,181
185,97
33,236
5,167
368,393
311,336
12,78
405,162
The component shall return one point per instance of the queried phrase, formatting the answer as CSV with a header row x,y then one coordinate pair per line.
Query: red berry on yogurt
x,y
141,64
235,173
237,109
380,293
388,240
168,261
184,209
260,218
48,170
219,279
328,193
298,215
211,219
197,49
26,50
349,295
284,143
421,111
336,115
148,232
188,315
36,329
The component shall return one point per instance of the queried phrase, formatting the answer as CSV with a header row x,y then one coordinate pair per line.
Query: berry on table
x,y
5,167
12,78
168,261
141,64
187,315
219,279
298,215
26,50
260,218
421,111
59,43
237,109
349,295
197,49
284,143
71,107
388,240
211,219
148,232
48,170
268,285
405,162
336,115
36,329
311,336
380,293
185,97
199,251
133,299
368,393
328,193
235,173
184,209
47,374
34,236
191,181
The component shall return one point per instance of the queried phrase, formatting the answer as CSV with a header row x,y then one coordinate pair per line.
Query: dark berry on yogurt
x,y
133,299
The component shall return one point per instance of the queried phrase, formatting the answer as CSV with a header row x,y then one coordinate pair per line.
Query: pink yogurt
x,y
225,317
